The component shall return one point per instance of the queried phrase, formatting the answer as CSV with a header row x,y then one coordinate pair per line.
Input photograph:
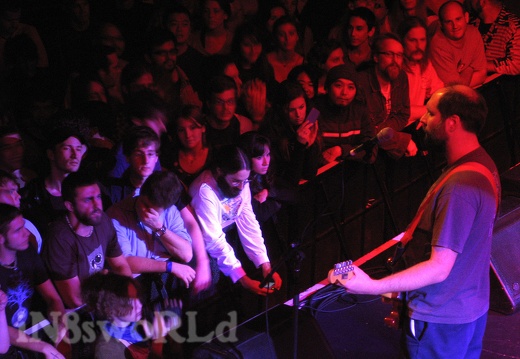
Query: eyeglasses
x,y
236,183
397,55
164,53
230,102
10,191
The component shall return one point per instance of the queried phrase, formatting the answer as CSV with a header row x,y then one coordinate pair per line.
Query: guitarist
x,y
447,276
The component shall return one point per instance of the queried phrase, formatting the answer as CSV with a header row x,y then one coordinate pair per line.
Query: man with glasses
x,y
172,82
222,202
386,90
80,242
457,50
224,126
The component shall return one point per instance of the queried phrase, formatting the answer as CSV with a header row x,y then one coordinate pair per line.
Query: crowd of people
x,y
161,140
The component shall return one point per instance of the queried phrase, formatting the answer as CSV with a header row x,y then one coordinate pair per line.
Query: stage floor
x,y
354,328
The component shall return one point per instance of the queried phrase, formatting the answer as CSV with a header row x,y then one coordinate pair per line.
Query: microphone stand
x,y
294,258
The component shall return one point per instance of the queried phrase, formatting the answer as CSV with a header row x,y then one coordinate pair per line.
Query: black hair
x,y
157,37
219,84
139,136
321,51
162,189
7,214
230,159
74,181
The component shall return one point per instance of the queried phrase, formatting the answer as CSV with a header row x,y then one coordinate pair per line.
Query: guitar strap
x,y
408,234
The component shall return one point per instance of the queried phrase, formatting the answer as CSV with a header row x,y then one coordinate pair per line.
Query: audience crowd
x,y
162,141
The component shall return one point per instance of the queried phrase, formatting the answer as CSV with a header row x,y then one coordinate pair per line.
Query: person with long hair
x,y
325,55
214,37
249,55
308,77
267,190
295,142
284,56
222,201
193,155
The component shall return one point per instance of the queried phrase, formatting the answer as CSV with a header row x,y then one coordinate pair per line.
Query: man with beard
x,y
171,82
79,243
447,308
385,87
456,49
422,77
41,200
222,202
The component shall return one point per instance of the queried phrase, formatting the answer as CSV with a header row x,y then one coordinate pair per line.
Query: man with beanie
x,y
344,121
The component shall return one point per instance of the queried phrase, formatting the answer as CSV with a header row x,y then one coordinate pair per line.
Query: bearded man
x,y
385,86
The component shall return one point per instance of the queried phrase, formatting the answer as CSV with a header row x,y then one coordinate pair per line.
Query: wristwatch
x,y
159,232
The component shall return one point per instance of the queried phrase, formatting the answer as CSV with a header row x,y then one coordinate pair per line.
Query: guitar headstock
x,y
341,273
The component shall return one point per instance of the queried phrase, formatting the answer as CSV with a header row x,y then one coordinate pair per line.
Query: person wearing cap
x,y
344,121
41,198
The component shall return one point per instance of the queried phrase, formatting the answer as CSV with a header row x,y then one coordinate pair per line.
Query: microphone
x,y
385,135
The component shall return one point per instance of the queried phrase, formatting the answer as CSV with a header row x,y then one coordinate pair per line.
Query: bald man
x,y
447,278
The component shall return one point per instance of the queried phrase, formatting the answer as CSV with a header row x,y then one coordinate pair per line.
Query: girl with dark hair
x,y
325,55
308,77
248,52
214,37
295,143
193,155
357,34
284,56
267,191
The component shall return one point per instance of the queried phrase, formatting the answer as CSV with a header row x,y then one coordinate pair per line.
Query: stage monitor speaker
x,y
505,258
255,343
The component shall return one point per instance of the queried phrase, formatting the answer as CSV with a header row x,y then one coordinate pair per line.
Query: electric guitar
x,y
343,272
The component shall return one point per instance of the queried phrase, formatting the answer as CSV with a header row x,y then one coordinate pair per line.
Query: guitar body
x,y
393,320
341,273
